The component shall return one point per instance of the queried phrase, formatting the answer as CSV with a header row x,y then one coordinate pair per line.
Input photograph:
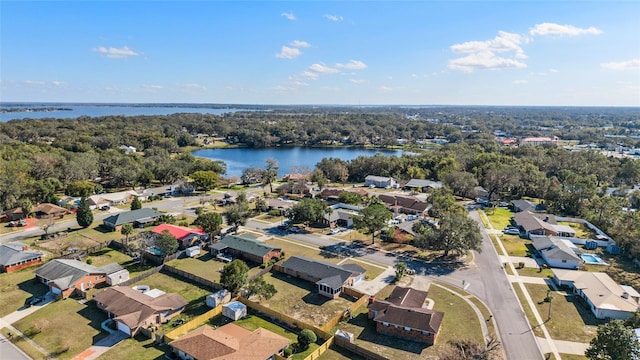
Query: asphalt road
x,y
11,352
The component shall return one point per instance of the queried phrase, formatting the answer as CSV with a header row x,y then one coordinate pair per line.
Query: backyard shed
x,y
218,298
193,251
234,310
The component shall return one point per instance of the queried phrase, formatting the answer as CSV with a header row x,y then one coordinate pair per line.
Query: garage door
x,y
124,328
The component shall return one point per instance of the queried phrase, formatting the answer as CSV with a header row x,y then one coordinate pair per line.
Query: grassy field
x,y
299,299
515,246
573,357
499,217
456,310
528,312
139,348
204,266
571,320
296,248
534,272
582,231
65,328
16,287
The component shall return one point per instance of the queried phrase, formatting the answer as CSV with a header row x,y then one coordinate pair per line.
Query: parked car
x,y
295,229
512,232
334,231
178,322
34,300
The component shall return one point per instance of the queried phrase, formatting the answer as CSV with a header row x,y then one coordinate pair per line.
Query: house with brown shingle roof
x,y
541,224
229,342
405,204
402,315
47,209
132,309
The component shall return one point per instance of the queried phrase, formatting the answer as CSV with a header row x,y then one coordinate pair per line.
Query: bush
x,y
89,261
306,338
288,351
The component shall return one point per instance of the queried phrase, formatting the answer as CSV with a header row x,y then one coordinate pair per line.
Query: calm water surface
x,y
239,159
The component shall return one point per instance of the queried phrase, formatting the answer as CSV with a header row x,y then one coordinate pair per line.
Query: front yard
x,y
16,287
500,218
515,246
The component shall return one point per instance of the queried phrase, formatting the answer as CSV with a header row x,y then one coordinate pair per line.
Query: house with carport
x,y
185,236
605,298
133,310
330,279
379,181
405,204
422,185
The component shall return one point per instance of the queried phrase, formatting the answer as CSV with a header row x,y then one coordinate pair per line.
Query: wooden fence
x,y
192,324
191,277
145,274
320,350
367,354
260,273
355,306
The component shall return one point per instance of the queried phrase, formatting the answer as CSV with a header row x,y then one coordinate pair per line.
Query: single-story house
x,y
379,181
557,252
329,278
66,277
229,342
137,217
605,297
112,199
16,255
339,217
522,205
13,214
405,204
133,310
541,224
422,184
49,210
402,315
297,177
246,246
185,236
279,204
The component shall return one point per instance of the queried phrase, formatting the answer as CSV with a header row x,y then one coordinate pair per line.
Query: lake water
x,y
104,110
238,159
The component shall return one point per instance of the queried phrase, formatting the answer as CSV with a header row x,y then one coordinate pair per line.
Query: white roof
x,y
154,293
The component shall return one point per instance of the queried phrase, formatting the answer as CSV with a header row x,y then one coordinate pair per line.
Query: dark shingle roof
x,y
424,183
65,272
407,297
131,216
415,318
523,205
329,274
247,244
12,253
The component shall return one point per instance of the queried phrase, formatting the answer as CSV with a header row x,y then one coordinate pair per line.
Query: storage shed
x,y
193,251
234,310
218,298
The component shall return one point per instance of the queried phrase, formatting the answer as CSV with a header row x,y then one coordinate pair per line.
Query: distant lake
x,y
75,111
238,159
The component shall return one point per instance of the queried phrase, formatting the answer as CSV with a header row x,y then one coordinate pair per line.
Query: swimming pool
x,y
592,259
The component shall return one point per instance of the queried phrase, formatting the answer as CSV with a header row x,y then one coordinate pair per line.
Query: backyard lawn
x,y
298,299
582,231
204,266
500,218
535,272
16,287
65,327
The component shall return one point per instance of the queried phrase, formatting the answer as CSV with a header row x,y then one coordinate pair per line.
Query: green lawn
x,y
16,287
528,312
535,272
295,248
204,266
299,299
106,256
514,245
582,231
139,348
571,320
65,327
499,217
573,357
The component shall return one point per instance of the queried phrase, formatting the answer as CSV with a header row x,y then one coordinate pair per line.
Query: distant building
x,y
379,181
137,217
538,141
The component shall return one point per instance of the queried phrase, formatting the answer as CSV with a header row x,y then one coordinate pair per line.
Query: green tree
x,y
261,288
136,203
209,222
234,276
349,197
457,233
205,180
401,270
318,177
80,188
614,341
306,337
307,211
271,172
261,205
166,242
84,216
126,230
237,214
373,218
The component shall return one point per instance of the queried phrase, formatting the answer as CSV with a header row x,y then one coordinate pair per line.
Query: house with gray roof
x,y
16,255
247,247
329,278
541,224
66,277
423,184
137,217
522,205
379,181
557,252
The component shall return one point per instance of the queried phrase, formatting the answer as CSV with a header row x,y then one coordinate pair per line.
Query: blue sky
x,y
276,52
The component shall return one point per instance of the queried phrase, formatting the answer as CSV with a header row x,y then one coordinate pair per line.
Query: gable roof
x,y
131,216
533,221
602,291
405,202
377,178
555,248
230,342
132,307
49,209
64,272
328,274
248,244
523,205
420,183
14,252
178,232
415,318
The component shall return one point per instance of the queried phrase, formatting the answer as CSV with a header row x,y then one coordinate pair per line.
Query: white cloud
x,y
153,87
289,15
288,53
115,53
34,82
561,30
59,83
310,75
385,88
622,65
353,65
333,17
323,69
520,82
299,44
358,81
482,54
193,86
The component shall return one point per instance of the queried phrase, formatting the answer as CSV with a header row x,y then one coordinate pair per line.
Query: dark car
x,y
178,322
33,301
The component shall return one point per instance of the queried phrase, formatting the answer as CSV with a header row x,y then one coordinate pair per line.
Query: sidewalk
x,y
17,333
24,312
564,347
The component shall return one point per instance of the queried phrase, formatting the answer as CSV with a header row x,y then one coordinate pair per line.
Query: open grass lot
x,y
515,246
106,256
582,231
571,320
204,266
296,248
456,310
270,219
23,345
16,287
500,218
533,272
65,328
298,298
139,348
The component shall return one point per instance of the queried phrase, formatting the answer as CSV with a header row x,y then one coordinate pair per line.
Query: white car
x,y
334,231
